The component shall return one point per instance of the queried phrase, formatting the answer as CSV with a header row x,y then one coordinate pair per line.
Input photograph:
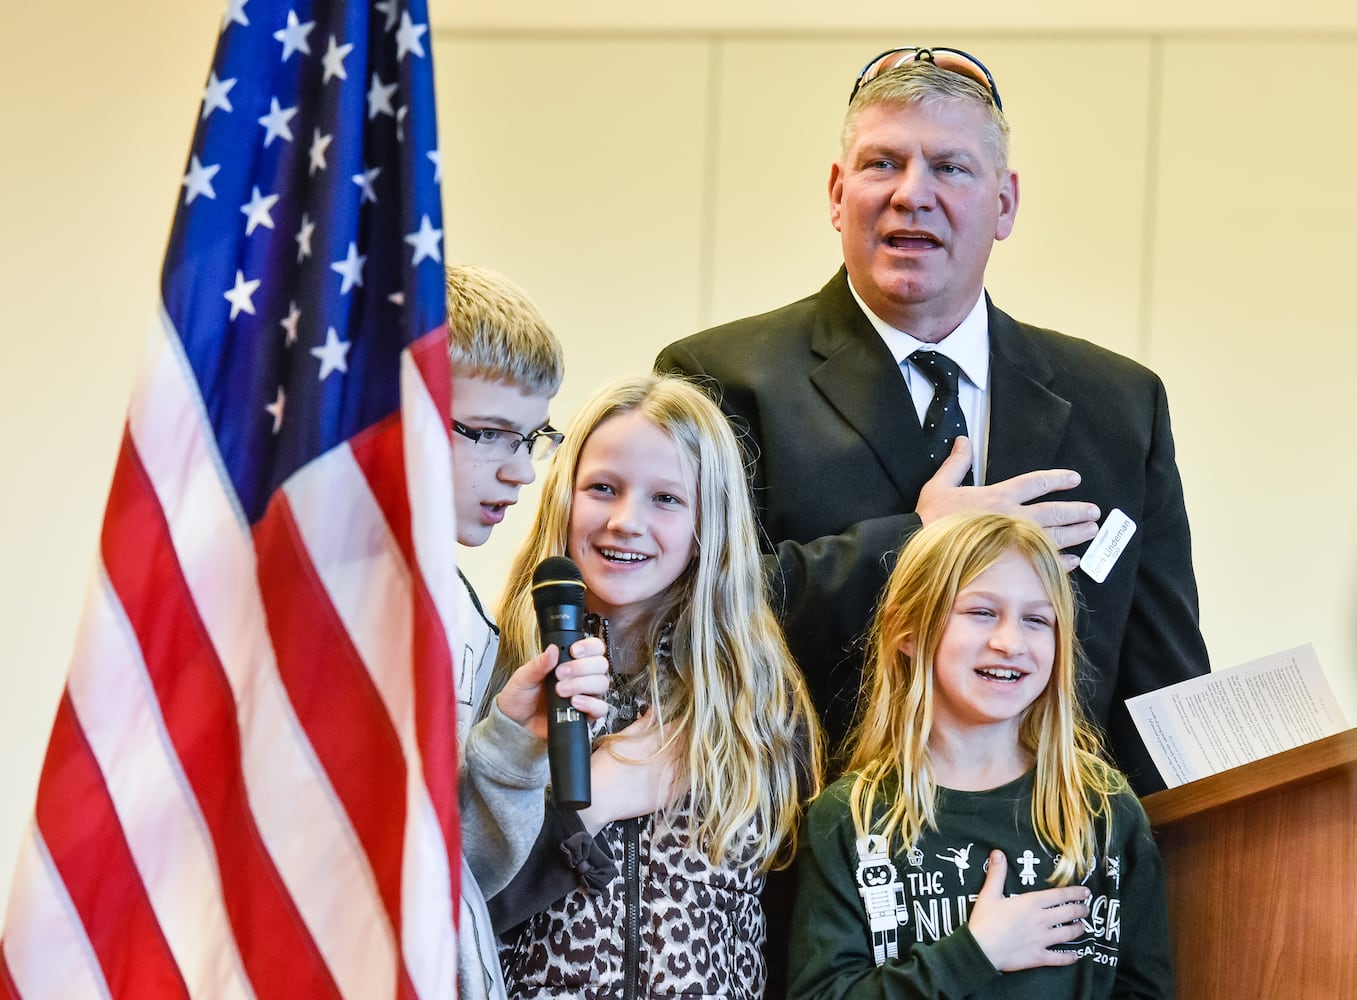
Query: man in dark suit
x,y
833,405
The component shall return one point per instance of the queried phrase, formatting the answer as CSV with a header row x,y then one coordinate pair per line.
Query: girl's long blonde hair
x,y
734,697
1073,783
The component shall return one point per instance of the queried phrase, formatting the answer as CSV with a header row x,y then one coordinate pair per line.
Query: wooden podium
x,y
1261,862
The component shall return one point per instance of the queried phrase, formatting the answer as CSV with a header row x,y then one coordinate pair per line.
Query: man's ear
x,y
835,194
1008,205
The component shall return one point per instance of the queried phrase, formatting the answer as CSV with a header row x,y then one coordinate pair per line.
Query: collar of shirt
x,y
968,346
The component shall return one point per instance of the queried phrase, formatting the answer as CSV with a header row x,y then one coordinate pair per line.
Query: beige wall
x,y
646,182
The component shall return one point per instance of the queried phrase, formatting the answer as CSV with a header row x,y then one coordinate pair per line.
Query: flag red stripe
x,y
380,453
85,840
383,464
339,707
435,694
436,724
196,702
430,355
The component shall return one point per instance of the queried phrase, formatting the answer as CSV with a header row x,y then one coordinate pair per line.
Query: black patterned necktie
x,y
943,422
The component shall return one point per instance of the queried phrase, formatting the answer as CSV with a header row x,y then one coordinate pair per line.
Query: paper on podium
x,y
1209,724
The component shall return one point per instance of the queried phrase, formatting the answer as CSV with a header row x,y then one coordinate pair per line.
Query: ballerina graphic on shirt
x,y
959,856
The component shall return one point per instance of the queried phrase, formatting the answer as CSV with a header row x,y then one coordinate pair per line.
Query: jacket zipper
x,y
631,981
631,875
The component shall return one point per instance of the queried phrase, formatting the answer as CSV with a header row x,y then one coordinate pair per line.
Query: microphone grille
x,y
557,580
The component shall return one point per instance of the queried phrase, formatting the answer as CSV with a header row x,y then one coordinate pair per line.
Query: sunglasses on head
x,y
952,60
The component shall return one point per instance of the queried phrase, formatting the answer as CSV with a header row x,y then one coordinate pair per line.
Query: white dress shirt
x,y
968,346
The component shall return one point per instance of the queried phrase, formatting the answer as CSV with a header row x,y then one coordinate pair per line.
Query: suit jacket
x,y
835,447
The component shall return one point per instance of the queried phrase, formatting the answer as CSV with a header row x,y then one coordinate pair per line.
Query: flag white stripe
x,y
428,473
46,947
429,939
166,834
430,934
301,821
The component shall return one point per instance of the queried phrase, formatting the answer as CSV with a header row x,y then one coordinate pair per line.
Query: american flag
x,y
250,789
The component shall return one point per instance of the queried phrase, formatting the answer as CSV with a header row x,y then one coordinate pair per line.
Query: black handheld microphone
x,y
558,595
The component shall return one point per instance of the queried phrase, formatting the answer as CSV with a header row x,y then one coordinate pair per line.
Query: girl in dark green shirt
x,y
980,845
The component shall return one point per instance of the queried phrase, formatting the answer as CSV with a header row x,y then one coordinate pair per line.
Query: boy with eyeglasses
x,y
506,367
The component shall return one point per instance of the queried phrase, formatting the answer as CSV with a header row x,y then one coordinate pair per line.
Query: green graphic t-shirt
x,y
869,923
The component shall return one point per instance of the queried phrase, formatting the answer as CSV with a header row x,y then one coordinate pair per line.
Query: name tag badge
x,y
1104,551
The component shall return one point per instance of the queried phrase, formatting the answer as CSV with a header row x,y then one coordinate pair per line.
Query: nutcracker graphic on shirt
x,y
937,884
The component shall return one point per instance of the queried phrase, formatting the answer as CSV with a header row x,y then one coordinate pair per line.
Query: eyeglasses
x,y
497,442
953,60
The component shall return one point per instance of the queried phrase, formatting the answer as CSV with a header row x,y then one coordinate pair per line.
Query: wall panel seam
x,y
711,159
1154,114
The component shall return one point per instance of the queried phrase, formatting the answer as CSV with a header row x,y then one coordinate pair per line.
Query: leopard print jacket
x,y
669,924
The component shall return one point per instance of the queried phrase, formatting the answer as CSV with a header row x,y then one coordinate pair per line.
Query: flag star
x,y
214,96
401,112
303,238
334,60
275,122
319,144
379,98
350,269
426,242
235,14
398,298
289,323
198,180
294,35
364,181
388,7
437,157
408,37
333,354
239,296
275,410
256,211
